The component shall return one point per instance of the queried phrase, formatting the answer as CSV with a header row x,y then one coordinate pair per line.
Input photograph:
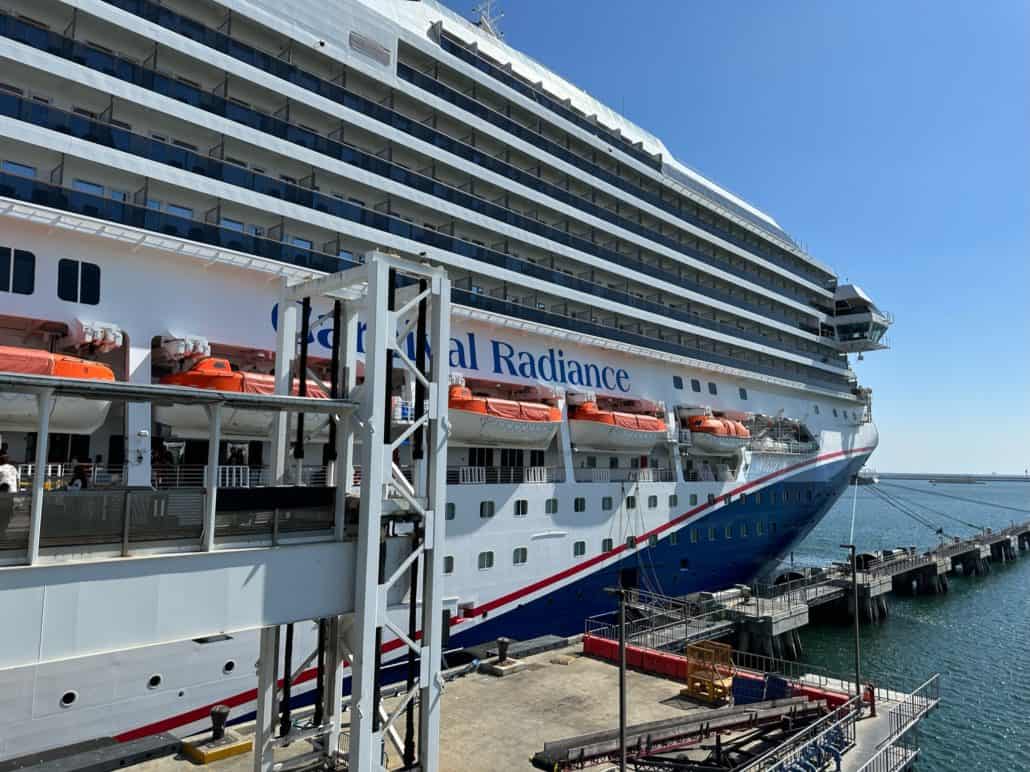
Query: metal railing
x,y
504,475
656,474
814,746
902,744
784,447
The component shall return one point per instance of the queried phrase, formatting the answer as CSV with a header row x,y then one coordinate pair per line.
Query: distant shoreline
x,y
953,478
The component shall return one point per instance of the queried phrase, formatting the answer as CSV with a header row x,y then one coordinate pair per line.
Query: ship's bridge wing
x,y
858,324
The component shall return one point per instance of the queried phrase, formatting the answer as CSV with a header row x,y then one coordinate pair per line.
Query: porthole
x,y
68,698
229,666
154,681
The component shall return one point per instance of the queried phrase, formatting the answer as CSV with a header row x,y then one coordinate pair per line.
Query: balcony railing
x,y
626,475
504,475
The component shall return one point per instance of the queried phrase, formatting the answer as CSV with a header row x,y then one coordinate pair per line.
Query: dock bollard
x,y
219,716
502,649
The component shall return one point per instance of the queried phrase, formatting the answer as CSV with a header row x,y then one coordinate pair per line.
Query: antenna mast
x,y
488,19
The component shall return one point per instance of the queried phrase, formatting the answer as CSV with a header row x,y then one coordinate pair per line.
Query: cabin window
x,y
677,383
511,457
759,528
835,412
711,533
118,195
684,564
551,506
743,530
758,498
674,500
743,392
631,502
481,457
486,560
607,545
693,499
449,511
486,509
16,168
153,203
772,526
674,539
78,282
695,535
712,388
652,540
652,502
519,556
613,462
17,271
232,225
85,186
579,549
179,211
521,507
816,409
536,458
727,532
448,564
580,504
695,385
631,542
606,503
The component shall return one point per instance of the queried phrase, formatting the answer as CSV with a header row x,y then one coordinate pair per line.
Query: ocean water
x,y
977,635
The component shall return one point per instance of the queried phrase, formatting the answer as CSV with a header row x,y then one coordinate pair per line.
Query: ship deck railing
x,y
504,475
656,474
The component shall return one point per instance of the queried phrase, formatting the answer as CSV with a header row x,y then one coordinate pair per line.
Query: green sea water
x,y
977,635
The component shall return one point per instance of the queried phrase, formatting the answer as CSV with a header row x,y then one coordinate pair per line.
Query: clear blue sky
x,y
890,137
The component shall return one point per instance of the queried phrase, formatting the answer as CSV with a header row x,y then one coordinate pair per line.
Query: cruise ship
x,y
651,383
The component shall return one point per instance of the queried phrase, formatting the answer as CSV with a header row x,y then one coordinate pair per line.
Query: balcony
x,y
625,475
504,475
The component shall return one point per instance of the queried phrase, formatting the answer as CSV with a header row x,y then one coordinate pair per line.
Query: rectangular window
x,y
606,504
743,393
711,533
580,504
521,507
631,502
693,499
481,457
448,564
677,383
695,535
78,282
674,500
118,195
297,241
85,186
631,542
607,545
486,509
674,539
579,549
816,409
179,211
652,540
728,532
486,560
551,506
519,556
743,530
536,458
17,271
712,389
18,168
232,225
695,385
591,462
711,498
759,528
512,457
613,462
153,203
449,511
652,502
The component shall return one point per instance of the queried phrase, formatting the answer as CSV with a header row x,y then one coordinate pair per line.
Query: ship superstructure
x,y
653,384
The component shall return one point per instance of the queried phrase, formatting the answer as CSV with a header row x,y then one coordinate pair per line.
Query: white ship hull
x,y
594,435
470,428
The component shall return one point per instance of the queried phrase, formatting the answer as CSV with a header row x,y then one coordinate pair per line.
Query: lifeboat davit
x,y
71,415
717,436
190,421
491,421
596,429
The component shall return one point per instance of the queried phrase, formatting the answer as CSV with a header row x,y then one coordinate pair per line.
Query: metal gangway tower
x,y
371,570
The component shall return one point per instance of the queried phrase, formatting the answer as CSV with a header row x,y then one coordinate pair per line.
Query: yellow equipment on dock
x,y
709,672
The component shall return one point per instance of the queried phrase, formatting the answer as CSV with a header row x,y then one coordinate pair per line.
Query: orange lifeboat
x,y
487,421
71,415
711,435
591,427
190,421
